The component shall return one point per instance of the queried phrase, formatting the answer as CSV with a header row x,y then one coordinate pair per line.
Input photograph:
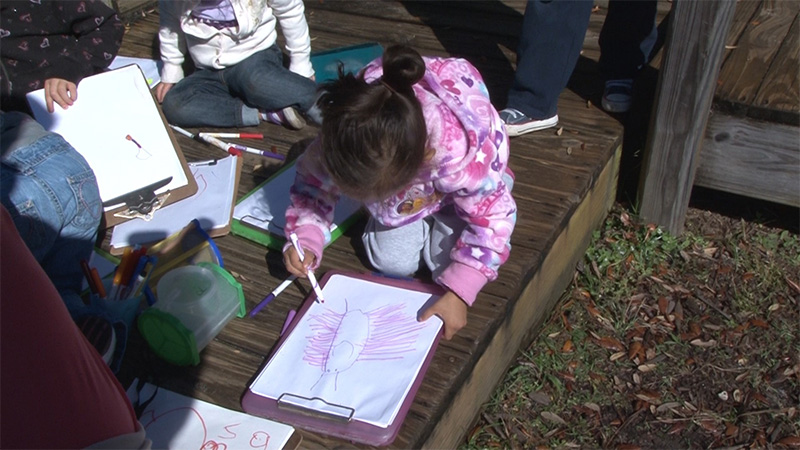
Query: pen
x,y
233,149
98,282
142,285
202,137
121,269
87,273
272,295
289,318
137,271
234,135
183,132
256,151
311,277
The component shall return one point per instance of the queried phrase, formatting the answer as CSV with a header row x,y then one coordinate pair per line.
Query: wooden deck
x,y
566,181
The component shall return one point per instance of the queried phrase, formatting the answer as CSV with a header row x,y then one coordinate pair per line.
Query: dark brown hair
x,y
373,134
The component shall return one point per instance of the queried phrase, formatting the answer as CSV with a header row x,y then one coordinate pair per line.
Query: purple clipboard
x,y
341,424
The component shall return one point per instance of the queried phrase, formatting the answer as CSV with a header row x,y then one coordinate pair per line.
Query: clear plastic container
x,y
194,304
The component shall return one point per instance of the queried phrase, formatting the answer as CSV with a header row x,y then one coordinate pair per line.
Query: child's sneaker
x,y
618,95
287,117
517,123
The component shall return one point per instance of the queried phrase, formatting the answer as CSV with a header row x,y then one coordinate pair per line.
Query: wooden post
x,y
694,48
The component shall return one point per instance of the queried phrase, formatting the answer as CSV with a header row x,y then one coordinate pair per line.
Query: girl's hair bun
x,y
402,67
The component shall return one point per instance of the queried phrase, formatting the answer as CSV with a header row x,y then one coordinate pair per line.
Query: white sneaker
x,y
517,123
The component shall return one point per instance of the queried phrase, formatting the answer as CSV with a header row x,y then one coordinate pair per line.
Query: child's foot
x,y
287,117
517,123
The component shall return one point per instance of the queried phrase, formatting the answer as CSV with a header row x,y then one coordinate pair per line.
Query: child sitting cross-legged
x,y
418,142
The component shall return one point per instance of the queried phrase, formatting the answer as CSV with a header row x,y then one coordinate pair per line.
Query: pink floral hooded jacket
x,y
468,169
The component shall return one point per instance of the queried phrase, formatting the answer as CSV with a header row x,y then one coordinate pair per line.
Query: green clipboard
x,y
260,215
353,58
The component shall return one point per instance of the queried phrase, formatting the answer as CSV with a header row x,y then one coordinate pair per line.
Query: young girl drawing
x,y
419,143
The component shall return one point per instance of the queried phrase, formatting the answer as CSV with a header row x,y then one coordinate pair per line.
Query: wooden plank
x,y
747,67
778,98
685,89
742,16
751,158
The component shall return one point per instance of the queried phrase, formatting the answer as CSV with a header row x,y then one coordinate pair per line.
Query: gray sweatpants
x,y
397,251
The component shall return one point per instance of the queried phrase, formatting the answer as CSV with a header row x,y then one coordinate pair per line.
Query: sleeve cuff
x,y
171,73
463,280
302,66
310,239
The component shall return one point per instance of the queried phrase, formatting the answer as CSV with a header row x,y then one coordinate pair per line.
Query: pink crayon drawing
x,y
339,340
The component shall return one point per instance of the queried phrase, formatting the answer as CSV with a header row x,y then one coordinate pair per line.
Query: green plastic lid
x,y
168,337
232,281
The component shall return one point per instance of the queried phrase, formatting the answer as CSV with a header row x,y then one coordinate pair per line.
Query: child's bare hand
x,y
293,264
452,310
59,91
162,89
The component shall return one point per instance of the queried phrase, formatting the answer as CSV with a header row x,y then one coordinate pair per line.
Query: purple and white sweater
x,y
468,169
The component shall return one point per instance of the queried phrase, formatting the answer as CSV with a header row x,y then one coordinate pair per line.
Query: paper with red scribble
x,y
211,205
174,421
360,349
97,128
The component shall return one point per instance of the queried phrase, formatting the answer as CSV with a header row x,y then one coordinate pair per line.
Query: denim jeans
x,y
627,38
232,97
548,49
52,196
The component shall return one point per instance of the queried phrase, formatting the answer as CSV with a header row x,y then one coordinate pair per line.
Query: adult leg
x,y
627,38
548,49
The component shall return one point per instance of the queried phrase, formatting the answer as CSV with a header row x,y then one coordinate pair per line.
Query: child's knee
x,y
391,257
398,267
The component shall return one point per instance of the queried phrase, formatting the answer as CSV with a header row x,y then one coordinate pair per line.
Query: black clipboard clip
x,y
141,203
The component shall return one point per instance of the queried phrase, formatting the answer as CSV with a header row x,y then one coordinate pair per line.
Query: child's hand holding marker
x,y
298,264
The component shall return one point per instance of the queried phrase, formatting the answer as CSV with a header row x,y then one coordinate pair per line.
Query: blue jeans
x,y
548,49
52,196
232,97
627,38
552,39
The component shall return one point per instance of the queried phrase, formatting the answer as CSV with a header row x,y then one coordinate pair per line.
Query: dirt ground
x,y
666,342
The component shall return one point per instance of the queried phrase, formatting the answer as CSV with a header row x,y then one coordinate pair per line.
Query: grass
x,y
662,341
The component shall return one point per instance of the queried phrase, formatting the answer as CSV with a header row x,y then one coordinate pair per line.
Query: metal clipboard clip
x,y
315,407
141,203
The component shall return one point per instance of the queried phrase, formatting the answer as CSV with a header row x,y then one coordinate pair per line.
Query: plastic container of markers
x,y
107,321
194,303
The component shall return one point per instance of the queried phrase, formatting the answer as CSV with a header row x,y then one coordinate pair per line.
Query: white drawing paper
x,y
266,207
211,205
174,421
359,351
115,124
150,67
